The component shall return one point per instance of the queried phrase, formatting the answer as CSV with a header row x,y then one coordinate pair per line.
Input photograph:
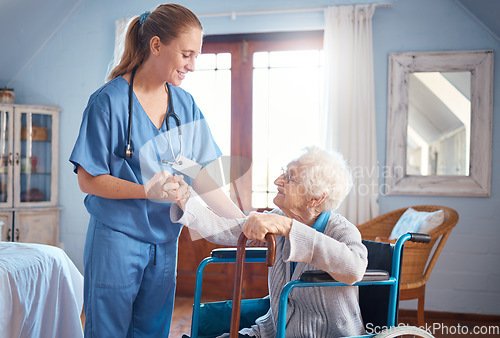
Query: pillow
x,y
434,220
417,221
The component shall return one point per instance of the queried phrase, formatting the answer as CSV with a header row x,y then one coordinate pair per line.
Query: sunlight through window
x,y
210,86
286,95
287,91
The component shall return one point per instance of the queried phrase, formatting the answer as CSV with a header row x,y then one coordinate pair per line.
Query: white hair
x,y
324,172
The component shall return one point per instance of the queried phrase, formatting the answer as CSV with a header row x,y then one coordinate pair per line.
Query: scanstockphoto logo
x,y
440,329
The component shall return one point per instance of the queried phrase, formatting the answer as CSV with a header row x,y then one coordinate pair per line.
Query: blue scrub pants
x,y
129,286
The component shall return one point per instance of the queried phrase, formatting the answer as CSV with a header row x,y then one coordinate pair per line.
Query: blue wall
x,y
74,63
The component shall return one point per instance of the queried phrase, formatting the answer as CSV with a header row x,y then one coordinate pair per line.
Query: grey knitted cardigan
x,y
311,312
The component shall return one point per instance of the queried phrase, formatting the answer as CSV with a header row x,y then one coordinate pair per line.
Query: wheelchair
x,y
378,291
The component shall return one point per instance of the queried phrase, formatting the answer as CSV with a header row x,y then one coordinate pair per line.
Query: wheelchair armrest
x,y
318,276
375,275
257,252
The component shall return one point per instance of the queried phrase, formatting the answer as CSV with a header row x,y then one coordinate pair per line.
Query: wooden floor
x,y
442,325
181,319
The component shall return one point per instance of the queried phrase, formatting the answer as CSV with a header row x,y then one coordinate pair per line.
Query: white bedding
x,y
41,292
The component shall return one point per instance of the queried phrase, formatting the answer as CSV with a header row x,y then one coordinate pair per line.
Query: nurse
x,y
130,251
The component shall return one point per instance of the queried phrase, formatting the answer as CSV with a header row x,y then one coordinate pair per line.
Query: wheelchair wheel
x,y
404,331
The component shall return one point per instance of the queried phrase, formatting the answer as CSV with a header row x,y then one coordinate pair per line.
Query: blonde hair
x,y
324,172
167,22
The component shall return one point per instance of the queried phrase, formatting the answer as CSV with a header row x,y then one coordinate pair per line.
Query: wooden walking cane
x,y
238,277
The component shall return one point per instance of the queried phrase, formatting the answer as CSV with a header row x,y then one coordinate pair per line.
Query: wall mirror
x,y
439,123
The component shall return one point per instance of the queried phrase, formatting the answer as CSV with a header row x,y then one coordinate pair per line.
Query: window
x,y
261,95
210,85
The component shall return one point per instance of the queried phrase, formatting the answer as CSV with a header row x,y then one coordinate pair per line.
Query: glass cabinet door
x,y
6,157
34,157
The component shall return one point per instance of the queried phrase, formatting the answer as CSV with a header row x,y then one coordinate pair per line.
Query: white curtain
x,y
350,105
121,26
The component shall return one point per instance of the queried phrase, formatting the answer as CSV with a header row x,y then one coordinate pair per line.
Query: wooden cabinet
x,y
6,225
28,173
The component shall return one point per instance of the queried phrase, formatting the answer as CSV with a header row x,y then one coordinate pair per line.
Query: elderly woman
x,y
309,236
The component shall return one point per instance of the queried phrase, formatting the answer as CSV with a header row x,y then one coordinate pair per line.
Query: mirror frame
x,y
478,183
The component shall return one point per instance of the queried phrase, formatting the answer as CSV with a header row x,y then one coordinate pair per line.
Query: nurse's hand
x,y
177,190
162,186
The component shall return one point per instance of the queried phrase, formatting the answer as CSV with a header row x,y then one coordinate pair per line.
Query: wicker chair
x,y
416,265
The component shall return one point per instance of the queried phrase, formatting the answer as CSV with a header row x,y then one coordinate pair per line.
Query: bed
x,y
41,292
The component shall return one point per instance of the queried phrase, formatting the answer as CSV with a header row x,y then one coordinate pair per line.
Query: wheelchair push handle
x,y
419,237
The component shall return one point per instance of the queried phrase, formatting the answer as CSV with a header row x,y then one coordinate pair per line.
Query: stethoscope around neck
x,y
129,150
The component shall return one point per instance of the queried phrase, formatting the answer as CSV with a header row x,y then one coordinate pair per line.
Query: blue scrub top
x,y
100,150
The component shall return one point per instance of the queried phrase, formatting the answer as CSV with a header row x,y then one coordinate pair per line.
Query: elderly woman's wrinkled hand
x,y
183,192
258,225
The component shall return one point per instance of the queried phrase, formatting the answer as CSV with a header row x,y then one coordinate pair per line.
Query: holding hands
x,y
164,186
